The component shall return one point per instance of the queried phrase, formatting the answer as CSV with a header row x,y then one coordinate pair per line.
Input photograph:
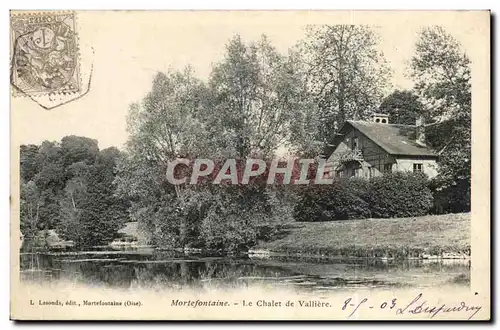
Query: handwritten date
x,y
418,305
348,304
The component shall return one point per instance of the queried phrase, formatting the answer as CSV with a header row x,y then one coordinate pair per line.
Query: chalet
x,y
371,148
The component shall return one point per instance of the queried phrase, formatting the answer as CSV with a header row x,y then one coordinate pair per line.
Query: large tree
x,y
28,161
260,102
101,213
402,106
50,180
347,73
71,203
441,71
78,149
30,205
257,94
246,109
163,127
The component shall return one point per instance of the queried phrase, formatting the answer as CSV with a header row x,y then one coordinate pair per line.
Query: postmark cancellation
x,y
44,54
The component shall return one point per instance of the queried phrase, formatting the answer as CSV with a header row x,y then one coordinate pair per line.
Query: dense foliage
x,y
403,107
347,74
398,194
441,70
69,186
246,109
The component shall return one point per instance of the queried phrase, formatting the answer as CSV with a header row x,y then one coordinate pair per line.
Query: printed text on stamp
x,y
45,53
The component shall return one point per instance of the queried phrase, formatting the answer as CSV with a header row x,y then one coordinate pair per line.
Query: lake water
x,y
158,270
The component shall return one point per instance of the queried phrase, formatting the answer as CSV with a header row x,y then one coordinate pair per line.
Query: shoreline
x,y
264,254
432,237
261,254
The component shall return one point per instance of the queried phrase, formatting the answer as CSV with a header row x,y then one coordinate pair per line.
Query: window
x,y
370,172
355,143
417,167
387,168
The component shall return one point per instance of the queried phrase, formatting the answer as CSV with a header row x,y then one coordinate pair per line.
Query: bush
x,y
232,221
227,231
343,199
396,194
225,219
400,194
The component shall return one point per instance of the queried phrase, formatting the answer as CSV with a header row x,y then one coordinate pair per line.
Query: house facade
x,y
372,148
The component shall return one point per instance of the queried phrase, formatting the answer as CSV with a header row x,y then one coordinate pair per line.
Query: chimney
x,y
420,130
380,118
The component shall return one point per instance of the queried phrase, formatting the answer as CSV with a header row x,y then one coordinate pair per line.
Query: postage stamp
x,y
44,54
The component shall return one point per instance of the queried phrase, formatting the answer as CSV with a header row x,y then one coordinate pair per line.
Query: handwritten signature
x,y
417,306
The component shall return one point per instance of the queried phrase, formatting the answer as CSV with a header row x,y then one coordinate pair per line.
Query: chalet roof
x,y
396,139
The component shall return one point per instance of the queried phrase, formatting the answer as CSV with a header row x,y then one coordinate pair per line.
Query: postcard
x,y
250,165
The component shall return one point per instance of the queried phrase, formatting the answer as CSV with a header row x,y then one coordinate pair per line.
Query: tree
x,y
30,205
79,155
441,71
304,128
28,161
50,166
50,181
63,186
71,204
100,213
51,174
247,108
403,107
78,148
259,103
163,127
347,75
257,94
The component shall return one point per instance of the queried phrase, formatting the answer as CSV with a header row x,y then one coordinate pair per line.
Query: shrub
x,y
310,204
400,194
226,219
228,231
343,199
232,221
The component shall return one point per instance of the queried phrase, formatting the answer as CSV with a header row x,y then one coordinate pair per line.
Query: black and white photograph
x,y
250,165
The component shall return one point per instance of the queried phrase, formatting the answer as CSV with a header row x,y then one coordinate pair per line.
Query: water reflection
x,y
161,270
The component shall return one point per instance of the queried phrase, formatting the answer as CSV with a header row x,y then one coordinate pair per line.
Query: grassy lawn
x,y
398,237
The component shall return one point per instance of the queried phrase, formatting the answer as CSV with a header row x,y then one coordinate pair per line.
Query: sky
x,y
127,48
